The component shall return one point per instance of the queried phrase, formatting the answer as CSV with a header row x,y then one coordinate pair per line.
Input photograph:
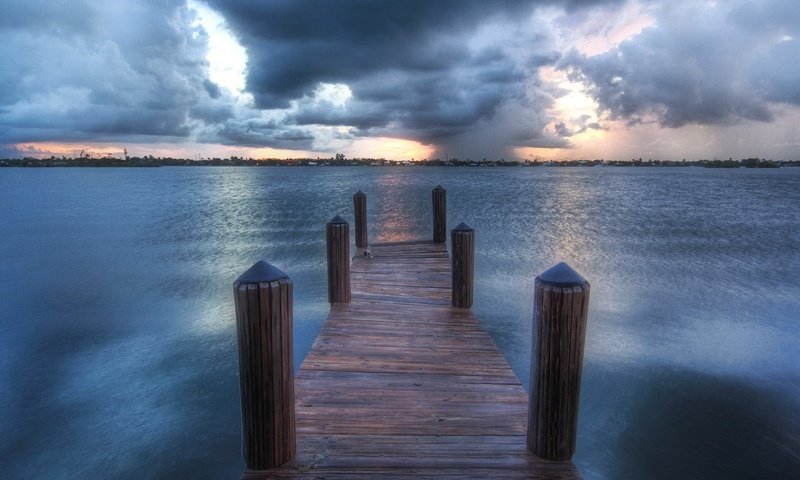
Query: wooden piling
x,y
399,384
561,304
360,211
337,235
462,241
439,195
263,299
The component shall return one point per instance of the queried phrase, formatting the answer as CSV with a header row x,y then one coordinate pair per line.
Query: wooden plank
x,y
399,384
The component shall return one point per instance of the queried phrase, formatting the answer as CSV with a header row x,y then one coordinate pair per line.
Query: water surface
x,y
117,342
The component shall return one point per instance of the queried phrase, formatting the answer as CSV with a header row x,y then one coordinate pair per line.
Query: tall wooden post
x,y
560,309
462,241
360,210
337,235
439,195
263,298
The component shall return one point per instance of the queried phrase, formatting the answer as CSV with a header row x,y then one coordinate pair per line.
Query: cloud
x,y
445,73
294,45
707,63
90,70
463,76
414,69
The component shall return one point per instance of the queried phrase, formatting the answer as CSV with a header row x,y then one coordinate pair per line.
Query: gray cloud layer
x,y
458,74
700,65
89,70
414,67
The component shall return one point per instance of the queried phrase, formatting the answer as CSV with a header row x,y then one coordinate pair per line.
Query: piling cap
x,y
438,187
261,272
337,220
463,227
360,194
562,275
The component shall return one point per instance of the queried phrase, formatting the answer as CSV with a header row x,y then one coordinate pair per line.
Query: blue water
x,y
117,345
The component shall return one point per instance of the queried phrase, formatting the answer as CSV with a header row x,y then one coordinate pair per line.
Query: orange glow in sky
x,y
372,147
390,149
58,149
607,30
173,150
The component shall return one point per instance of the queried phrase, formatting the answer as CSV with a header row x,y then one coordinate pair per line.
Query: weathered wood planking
x,y
462,241
401,385
263,298
439,197
561,307
337,241
360,214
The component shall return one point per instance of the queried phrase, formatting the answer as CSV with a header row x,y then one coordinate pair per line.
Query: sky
x,y
406,79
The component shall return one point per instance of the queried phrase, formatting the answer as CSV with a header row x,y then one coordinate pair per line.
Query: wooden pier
x,y
399,384
402,381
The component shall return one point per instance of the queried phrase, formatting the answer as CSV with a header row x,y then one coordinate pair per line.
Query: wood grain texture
x,y
264,330
462,241
360,218
401,385
559,332
439,196
337,241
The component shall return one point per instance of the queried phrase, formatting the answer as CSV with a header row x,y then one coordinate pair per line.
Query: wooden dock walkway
x,y
399,384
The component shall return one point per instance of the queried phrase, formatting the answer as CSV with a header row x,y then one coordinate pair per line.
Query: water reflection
x,y
398,211
685,424
118,346
567,228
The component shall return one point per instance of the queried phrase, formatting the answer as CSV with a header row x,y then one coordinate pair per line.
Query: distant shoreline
x,y
150,161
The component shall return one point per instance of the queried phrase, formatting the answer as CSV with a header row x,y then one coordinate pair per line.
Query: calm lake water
x,y
117,343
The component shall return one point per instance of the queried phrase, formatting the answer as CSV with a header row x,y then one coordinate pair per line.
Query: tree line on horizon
x,y
341,160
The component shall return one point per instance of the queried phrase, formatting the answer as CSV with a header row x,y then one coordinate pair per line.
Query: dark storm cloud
x,y
700,64
136,69
458,74
409,64
520,123
90,70
416,68
293,45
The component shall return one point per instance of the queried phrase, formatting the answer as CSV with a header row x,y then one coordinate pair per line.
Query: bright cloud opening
x,y
227,58
336,94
